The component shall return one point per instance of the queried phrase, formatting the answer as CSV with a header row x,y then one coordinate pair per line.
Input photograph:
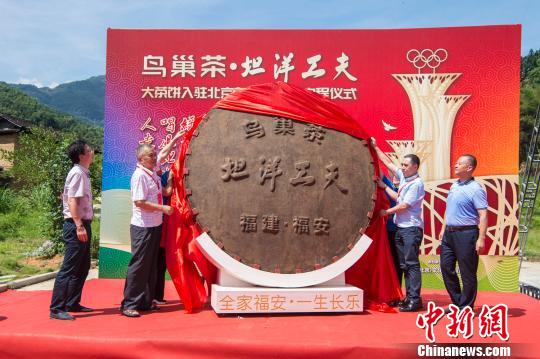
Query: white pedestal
x,y
254,276
234,296
243,289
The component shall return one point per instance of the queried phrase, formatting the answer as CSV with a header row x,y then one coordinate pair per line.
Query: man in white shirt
x,y
77,234
408,219
145,233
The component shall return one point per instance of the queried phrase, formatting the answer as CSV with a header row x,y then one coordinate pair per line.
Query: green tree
x,y
530,99
41,160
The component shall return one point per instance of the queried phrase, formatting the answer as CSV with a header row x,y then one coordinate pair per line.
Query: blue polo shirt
x,y
463,202
411,191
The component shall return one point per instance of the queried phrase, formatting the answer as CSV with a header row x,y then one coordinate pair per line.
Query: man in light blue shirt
x,y
408,219
464,233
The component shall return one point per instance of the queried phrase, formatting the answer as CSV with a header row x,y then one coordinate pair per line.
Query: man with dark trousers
x,y
463,233
77,234
408,218
145,233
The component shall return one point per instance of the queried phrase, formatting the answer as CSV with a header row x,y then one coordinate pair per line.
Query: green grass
x,y
532,247
23,227
94,250
21,231
23,236
24,224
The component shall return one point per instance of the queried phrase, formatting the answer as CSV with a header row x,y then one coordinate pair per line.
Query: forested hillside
x,y
530,99
82,99
17,104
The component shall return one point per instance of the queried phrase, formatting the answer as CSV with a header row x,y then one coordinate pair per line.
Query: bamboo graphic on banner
x,y
434,112
502,231
420,148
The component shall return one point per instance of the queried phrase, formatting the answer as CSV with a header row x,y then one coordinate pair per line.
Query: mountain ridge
x,y
83,99
19,105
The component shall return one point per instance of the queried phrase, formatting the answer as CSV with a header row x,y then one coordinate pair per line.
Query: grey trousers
x,y
141,274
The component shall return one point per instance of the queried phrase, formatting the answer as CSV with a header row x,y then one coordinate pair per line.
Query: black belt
x,y
84,221
460,228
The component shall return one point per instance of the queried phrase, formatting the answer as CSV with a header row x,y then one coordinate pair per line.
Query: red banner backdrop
x,y
437,92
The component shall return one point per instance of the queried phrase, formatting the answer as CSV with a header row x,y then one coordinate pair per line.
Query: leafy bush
x,y
39,196
9,225
40,166
7,199
22,215
12,208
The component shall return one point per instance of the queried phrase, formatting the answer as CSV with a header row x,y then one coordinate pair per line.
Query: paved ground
x,y
530,275
48,284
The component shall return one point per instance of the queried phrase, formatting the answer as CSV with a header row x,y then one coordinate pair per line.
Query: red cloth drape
x,y
185,263
374,272
284,100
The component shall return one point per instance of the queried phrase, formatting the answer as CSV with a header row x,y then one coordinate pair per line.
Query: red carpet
x,y
27,332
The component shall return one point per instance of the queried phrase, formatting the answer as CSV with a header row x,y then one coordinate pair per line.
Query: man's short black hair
x,y
76,149
472,160
414,159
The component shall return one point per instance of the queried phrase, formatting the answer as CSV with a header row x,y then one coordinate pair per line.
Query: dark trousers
x,y
70,280
160,273
395,257
408,243
141,275
460,247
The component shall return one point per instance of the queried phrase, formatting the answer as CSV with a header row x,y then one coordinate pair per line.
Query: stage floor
x,y
26,330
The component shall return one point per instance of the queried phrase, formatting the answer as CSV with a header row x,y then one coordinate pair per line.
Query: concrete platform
x,y
530,273
48,284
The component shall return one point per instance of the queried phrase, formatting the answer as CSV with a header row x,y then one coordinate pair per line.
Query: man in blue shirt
x,y
408,218
464,232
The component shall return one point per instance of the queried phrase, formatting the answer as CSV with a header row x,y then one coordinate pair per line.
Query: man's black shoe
x,y
411,306
403,302
398,303
79,309
61,316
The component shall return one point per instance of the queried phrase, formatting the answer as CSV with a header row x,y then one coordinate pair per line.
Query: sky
x,y
49,42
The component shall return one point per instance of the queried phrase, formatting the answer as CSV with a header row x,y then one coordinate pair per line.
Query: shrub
x,y
40,166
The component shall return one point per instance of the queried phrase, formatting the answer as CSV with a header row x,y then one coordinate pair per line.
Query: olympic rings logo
x,y
427,57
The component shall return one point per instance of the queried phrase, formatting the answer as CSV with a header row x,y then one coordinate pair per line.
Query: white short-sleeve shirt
x,y
77,185
411,191
145,185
